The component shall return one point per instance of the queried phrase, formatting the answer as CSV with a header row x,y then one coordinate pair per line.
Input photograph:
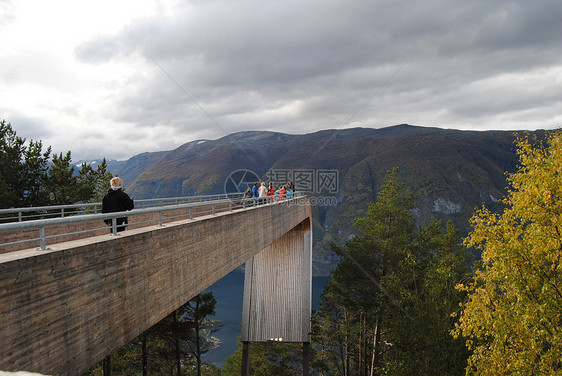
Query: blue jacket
x,y
255,190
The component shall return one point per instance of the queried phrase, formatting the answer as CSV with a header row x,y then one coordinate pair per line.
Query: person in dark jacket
x,y
116,201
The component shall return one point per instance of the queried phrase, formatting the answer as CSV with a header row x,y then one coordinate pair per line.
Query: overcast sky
x,y
113,79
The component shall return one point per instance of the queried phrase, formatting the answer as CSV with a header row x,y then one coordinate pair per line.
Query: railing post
x,y
69,216
114,226
42,240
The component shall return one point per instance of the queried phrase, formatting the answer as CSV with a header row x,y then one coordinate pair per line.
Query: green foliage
x,y
424,285
67,187
22,170
196,311
173,346
142,356
267,358
512,320
61,183
26,179
386,309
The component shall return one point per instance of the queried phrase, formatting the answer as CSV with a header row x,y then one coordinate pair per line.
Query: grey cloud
x,y
29,128
300,66
101,49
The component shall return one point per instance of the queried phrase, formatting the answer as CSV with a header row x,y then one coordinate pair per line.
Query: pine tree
x,y
196,312
22,170
26,179
61,183
386,309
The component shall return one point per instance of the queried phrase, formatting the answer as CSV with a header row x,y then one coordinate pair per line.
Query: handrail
x,y
223,205
18,214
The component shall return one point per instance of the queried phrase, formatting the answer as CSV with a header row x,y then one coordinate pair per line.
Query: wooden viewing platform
x,y
66,308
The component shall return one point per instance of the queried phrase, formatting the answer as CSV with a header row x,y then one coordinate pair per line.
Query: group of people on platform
x,y
116,200
264,194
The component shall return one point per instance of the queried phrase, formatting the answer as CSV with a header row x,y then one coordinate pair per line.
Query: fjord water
x,y
229,292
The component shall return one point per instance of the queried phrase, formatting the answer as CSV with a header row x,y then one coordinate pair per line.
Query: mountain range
x,y
450,172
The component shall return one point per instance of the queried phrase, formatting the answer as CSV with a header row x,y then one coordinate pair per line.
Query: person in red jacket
x,y
282,192
116,201
270,191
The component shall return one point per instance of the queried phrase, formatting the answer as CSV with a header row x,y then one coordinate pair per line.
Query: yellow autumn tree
x,y
512,319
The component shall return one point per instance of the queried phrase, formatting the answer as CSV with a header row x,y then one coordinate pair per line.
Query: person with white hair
x,y
262,193
116,200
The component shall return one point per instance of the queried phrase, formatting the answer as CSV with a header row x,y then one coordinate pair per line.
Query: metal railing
x,y
195,206
61,211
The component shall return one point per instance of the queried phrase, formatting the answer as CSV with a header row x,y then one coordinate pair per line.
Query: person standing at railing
x,y
282,192
262,192
249,194
255,190
116,200
270,192
289,190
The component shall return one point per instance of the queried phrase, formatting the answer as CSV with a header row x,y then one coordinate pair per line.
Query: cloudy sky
x,y
117,78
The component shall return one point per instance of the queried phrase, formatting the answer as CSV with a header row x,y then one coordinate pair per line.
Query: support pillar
x,y
278,294
106,366
245,359
278,290
306,359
